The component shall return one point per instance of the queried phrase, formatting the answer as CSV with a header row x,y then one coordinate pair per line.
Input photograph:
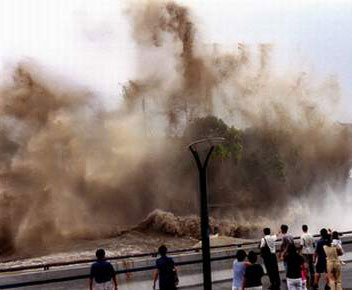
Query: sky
x,y
89,42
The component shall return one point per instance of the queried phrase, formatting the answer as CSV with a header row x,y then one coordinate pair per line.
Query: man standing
x,y
307,249
102,272
287,239
165,271
268,253
320,259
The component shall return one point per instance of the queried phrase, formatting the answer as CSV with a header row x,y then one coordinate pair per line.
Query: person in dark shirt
x,y
320,259
253,274
102,272
166,271
294,263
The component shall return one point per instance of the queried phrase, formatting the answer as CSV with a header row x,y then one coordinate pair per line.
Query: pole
x,y
202,170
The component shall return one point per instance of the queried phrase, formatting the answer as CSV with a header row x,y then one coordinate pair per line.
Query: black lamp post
x,y
202,169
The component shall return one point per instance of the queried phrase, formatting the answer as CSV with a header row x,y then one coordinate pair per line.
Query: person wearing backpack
x,y
268,253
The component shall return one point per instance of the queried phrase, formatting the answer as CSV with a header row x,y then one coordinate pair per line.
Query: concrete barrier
x,y
132,271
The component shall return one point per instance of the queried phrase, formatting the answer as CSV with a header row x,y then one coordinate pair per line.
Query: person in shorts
x,y
294,263
320,259
102,272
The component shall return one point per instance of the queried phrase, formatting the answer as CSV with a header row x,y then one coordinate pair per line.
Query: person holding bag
x,y
268,253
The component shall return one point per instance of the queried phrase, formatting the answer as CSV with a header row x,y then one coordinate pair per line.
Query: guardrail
x,y
124,271
47,266
131,270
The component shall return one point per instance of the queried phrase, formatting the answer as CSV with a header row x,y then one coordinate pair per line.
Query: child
x,y
336,242
239,268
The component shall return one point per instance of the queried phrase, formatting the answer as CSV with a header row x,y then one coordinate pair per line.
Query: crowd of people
x,y
303,263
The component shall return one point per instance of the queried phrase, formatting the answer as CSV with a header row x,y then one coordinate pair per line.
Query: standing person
x,y
102,272
253,274
333,265
268,253
166,271
295,265
320,259
287,239
239,268
307,250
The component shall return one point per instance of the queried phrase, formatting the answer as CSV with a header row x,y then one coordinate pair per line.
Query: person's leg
x,y
327,281
294,284
269,271
311,269
338,277
299,284
316,280
276,274
107,286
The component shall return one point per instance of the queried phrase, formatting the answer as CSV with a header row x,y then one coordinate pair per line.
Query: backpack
x,y
265,251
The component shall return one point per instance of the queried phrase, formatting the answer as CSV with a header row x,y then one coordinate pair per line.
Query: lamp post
x,y
204,217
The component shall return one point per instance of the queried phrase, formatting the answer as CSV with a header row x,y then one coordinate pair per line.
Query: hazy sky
x,y
89,41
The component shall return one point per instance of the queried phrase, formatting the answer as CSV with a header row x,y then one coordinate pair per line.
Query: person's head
x,y
284,229
162,250
324,233
266,231
291,249
252,257
100,254
335,235
241,255
305,228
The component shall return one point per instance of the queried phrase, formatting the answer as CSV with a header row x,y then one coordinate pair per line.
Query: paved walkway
x,y
147,285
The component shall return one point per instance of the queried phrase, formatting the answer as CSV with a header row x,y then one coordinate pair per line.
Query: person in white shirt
x,y
307,249
268,253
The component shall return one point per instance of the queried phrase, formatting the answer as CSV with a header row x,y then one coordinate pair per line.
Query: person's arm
x,y
90,283
113,276
176,276
114,279
244,283
261,271
156,276
339,250
91,277
262,243
301,244
315,256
